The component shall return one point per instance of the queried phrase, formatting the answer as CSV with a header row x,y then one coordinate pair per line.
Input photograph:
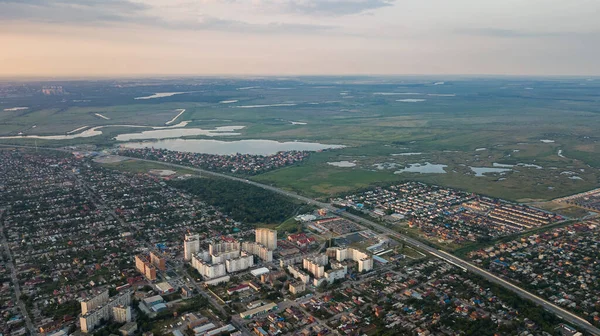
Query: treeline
x,y
243,202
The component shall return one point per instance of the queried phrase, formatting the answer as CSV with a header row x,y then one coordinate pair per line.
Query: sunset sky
x,y
283,37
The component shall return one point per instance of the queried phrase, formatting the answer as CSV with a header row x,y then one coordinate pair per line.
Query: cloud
x,y
509,33
205,22
110,12
326,7
63,11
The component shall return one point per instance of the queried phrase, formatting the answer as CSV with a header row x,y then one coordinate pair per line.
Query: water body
x,y
85,134
406,154
480,171
342,164
427,168
396,93
161,95
179,132
501,165
77,129
181,111
254,147
527,165
94,131
12,109
410,100
386,165
266,105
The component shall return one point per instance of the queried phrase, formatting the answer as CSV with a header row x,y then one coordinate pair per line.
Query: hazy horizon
x,y
153,38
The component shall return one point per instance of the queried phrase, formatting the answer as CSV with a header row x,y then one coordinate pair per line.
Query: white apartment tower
x,y
267,237
191,245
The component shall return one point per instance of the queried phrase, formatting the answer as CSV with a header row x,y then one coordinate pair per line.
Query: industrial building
x,y
258,311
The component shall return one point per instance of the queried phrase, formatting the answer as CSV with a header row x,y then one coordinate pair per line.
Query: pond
x,y
342,164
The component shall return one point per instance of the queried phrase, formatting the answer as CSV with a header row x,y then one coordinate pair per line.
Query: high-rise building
x,y
145,267
223,256
298,274
207,270
105,311
140,263
258,250
158,261
267,237
223,246
122,313
365,263
244,262
315,265
150,271
94,302
191,245
297,287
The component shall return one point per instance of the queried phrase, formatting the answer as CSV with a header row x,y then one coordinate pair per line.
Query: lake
x,y
427,168
406,154
254,147
480,171
179,132
161,95
410,100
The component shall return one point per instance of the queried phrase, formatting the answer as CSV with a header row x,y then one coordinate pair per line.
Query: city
x,y
299,168
131,253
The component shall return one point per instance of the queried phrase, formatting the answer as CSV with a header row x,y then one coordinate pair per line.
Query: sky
x,y
63,38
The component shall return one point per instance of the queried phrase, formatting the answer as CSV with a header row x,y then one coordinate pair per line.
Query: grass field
x,y
134,166
448,126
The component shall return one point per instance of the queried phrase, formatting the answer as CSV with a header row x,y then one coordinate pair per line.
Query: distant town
x,y
242,164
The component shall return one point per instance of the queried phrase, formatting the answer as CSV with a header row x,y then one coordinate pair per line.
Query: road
x,y
560,312
15,281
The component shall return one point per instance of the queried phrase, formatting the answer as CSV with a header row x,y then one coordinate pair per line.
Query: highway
x,y
565,315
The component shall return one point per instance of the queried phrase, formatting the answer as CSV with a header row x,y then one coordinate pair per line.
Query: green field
x,y
135,166
447,126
